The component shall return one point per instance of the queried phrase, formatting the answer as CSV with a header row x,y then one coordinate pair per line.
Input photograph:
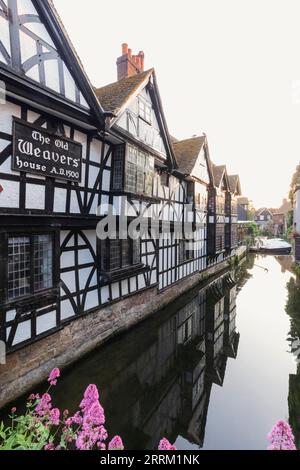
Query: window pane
x,y
136,251
114,254
43,262
131,169
126,253
140,185
18,267
118,167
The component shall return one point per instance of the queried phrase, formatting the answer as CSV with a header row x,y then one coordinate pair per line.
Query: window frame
x,y
104,262
143,106
141,174
17,232
191,253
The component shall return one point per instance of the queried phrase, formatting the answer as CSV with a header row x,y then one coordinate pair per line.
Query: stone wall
x,y
29,366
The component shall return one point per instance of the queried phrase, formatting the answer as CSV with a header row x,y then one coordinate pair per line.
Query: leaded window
x,y
18,267
186,251
220,237
118,167
30,265
43,262
118,254
145,110
138,167
131,170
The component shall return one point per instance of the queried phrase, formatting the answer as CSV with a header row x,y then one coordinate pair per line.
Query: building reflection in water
x,y
156,380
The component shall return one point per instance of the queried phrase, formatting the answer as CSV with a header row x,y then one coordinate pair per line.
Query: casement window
x,y
228,201
220,237
220,204
164,179
135,168
30,265
116,254
190,193
211,203
186,251
118,167
145,110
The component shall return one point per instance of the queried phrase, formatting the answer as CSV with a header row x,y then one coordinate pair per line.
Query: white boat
x,y
271,246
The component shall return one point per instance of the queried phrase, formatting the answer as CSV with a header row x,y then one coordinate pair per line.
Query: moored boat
x,y
271,246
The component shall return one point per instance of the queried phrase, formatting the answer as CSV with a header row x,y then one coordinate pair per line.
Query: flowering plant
x,y
281,437
44,427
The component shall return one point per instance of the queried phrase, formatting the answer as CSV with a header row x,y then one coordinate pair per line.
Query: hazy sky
x,y
228,68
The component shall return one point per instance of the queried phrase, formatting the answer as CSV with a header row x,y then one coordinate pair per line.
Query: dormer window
x,y
145,110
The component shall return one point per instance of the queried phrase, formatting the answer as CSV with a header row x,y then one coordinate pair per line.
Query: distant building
x,y
275,221
263,218
245,209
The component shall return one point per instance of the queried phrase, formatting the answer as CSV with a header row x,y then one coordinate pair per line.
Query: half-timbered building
x,y
54,169
175,194
71,157
218,207
235,192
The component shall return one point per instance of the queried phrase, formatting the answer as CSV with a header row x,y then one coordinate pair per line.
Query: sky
x,y
228,68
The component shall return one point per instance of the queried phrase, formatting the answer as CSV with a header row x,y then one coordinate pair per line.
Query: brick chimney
x,y
128,64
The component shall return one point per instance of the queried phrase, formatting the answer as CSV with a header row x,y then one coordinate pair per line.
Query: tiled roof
x,y
112,97
243,200
187,152
218,172
233,181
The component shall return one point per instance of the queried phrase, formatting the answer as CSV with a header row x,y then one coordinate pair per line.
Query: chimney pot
x,y
129,64
142,60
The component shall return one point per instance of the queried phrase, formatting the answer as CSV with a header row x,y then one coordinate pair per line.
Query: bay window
x,y
133,170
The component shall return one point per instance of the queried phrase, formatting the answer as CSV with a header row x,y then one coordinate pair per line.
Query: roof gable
x,y
122,99
35,45
234,184
115,96
220,176
192,157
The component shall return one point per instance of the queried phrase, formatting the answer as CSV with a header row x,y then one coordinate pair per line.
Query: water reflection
x,y
157,379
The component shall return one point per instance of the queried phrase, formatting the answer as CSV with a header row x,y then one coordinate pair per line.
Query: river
x,y
211,371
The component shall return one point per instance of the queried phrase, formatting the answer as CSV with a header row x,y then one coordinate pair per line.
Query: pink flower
x,y
94,415
44,405
101,446
54,416
76,419
86,440
49,447
281,437
165,445
90,396
54,374
116,444
13,410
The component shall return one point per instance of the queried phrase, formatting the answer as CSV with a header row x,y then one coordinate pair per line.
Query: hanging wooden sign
x,y
36,150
